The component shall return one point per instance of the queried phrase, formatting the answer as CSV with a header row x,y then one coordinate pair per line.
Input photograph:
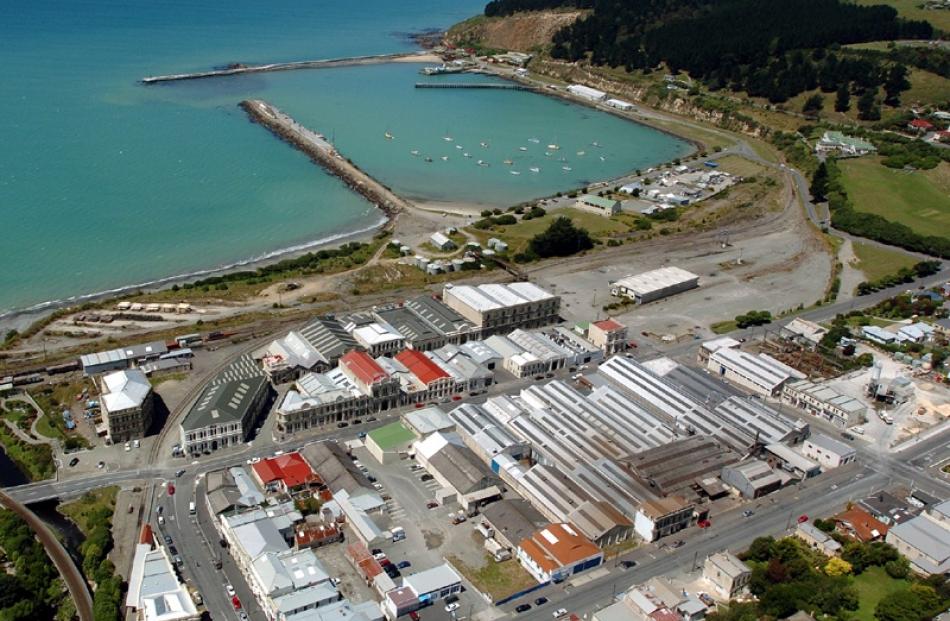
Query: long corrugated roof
x,y
421,366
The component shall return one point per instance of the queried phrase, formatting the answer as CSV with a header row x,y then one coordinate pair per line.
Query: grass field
x,y
496,579
920,200
517,235
872,586
89,507
927,87
739,166
911,10
877,262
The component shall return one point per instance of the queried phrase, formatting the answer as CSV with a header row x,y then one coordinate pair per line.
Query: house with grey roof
x,y
925,540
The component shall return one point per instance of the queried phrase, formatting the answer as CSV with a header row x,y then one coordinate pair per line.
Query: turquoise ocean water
x,y
106,183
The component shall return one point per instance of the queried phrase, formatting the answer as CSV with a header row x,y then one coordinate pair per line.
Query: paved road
x,y
57,553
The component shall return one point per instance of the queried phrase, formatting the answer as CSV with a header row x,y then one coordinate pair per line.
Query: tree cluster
x,y
902,276
753,318
757,46
28,592
561,239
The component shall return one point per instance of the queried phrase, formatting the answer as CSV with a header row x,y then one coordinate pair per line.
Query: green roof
x,y
598,201
391,436
850,141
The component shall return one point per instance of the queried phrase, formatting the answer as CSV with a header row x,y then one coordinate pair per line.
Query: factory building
x,y
226,410
804,332
127,404
760,423
121,358
454,328
543,348
486,436
762,374
427,421
497,308
512,521
681,467
821,400
792,462
316,347
417,333
586,92
464,477
654,285
619,104
751,478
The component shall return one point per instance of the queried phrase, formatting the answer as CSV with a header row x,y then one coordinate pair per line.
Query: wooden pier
x,y
300,64
485,85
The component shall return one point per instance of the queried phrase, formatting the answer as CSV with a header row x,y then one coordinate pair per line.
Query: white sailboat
x,y
535,169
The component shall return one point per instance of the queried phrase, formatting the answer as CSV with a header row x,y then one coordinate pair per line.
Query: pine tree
x,y
894,84
868,107
813,104
843,98
819,184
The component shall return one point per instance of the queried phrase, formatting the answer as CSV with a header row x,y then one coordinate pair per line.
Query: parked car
x,y
677,544
229,589
541,601
802,518
128,446
73,462
379,556
370,419
748,513
523,608
628,564
376,551
847,436
136,444
171,489
235,602
426,477
404,565
414,616
168,540
451,599
342,424
431,504
361,435
180,472
452,606
242,615
357,421
560,612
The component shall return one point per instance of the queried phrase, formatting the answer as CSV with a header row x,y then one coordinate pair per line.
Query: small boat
x,y
582,152
483,163
535,169
458,146
428,159
522,148
466,154
595,144
388,136
414,152
447,138
484,145
534,140
514,172
603,159
566,168
445,158
508,162
553,147
547,154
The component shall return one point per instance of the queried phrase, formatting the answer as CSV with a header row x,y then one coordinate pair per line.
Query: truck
x,y
399,533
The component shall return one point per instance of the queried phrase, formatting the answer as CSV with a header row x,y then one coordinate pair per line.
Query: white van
x,y
191,507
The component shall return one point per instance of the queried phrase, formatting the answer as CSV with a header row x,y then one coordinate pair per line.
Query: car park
x,y
523,608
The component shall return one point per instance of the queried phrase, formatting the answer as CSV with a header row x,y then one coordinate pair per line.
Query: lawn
x,y
497,580
872,586
920,199
877,262
926,87
35,460
724,327
89,507
911,9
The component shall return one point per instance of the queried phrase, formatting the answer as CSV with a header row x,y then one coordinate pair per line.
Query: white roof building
x,y
154,589
654,284
125,390
586,92
761,374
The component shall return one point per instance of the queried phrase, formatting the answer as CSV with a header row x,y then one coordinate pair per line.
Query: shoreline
x,y
21,318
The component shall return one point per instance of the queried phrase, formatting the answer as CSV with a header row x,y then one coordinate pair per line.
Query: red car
x,y
704,523
419,406
802,519
456,397
414,615
236,602
171,489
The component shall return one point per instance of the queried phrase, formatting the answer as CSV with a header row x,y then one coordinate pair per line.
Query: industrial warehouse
x,y
654,285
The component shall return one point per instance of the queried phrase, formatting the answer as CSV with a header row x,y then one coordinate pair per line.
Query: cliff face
x,y
523,32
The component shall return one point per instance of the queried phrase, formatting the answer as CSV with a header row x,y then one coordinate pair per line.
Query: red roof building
x,y
360,366
285,472
609,325
860,525
920,124
145,537
421,366
316,535
556,552
609,335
